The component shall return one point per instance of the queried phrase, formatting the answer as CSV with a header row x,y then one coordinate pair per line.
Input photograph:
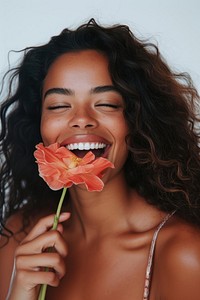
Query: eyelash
x,y
57,107
108,105
67,106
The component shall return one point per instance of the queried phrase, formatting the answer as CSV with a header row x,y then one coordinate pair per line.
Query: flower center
x,y
74,162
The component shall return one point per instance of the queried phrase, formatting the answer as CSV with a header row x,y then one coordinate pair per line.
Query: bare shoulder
x,y
9,240
12,228
181,243
177,261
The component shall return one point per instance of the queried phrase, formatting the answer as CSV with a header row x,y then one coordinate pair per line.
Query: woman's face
x,y
81,108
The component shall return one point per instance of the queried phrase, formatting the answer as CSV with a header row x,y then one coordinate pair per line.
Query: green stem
x,y
43,288
57,215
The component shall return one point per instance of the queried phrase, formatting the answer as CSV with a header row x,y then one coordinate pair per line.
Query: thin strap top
x,y
150,259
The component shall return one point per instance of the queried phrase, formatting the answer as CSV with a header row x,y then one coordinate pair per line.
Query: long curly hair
x,y
160,107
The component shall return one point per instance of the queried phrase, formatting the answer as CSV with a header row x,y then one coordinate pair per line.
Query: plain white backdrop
x,y
172,24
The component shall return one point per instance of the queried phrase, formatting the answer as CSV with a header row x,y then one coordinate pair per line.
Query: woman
x,y
102,85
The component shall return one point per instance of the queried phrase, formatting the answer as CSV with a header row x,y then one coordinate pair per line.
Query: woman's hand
x,y
31,258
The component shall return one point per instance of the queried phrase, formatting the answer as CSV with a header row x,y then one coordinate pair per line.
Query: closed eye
x,y
108,105
58,107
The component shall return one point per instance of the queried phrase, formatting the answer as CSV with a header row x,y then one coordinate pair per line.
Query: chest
x,y
103,272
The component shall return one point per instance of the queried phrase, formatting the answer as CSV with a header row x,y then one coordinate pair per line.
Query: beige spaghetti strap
x,y
150,259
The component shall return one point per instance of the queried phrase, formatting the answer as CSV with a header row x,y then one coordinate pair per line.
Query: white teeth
x,y
85,146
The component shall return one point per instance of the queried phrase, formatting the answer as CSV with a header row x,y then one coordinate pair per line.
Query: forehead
x,y
79,71
87,67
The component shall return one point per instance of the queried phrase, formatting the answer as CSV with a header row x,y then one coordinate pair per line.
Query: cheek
x,y
117,125
50,129
121,130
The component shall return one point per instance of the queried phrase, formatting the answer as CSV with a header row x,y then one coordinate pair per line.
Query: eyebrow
x,y
60,91
69,92
103,89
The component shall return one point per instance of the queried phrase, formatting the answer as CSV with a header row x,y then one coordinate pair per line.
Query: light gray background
x,y
173,24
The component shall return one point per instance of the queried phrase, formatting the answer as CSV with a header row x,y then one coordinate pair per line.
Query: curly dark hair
x,y
160,107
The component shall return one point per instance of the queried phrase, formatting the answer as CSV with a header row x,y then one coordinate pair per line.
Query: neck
x,y
98,212
117,208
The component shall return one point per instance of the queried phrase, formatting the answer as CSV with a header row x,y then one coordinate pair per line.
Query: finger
x,y
46,240
30,279
46,260
43,225
60,228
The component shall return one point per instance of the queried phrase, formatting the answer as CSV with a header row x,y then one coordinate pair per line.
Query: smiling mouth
x,y
80,149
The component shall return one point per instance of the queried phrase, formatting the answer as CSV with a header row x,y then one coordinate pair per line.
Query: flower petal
x,y
89,157
60,168
100,164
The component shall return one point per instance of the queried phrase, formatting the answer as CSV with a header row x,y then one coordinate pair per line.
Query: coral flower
x,y
61,168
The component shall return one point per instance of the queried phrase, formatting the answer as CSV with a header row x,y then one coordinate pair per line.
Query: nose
x,y
82,119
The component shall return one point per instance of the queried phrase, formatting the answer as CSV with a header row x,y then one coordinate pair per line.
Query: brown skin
x,y
111,265
101,251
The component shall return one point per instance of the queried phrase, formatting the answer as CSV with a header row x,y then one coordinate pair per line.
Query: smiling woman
x,y
100,92
90,107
